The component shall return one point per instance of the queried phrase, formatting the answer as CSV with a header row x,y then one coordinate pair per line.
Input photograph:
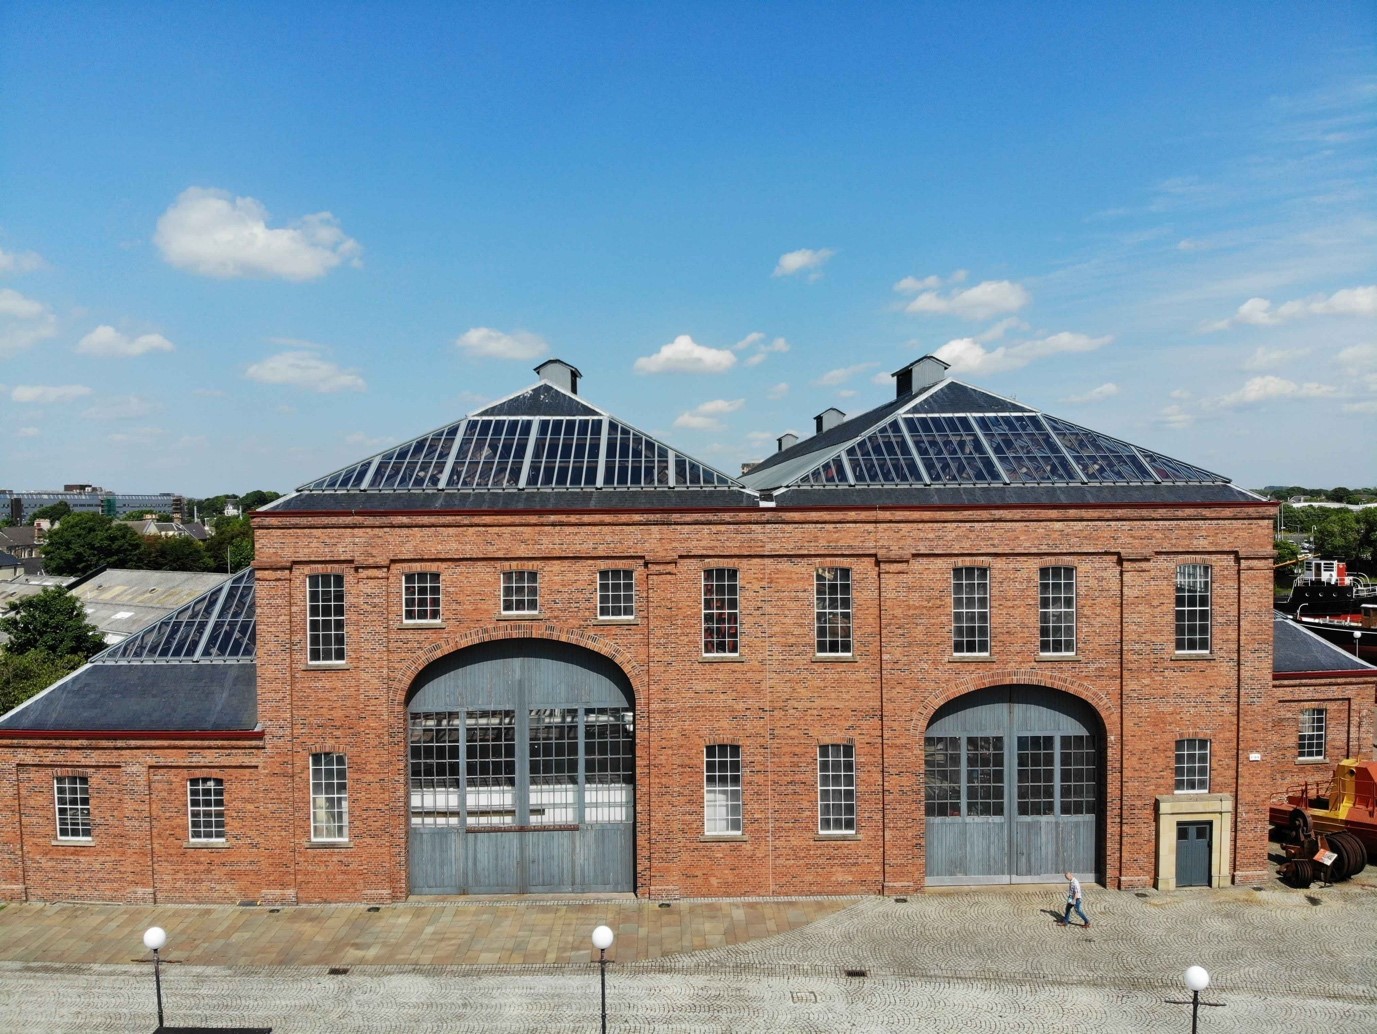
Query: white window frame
x,y
1191,614
519,588
617,594
329,821
722,581
421,593
212,813
72,809
1189,765
970,595
1311,743
722,796
836,789
1053,585
325,618
833,608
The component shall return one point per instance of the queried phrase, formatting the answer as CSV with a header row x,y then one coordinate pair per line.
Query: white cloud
x,y
913,284
749,340
1264,358
1262,389
495,344
1358,357
967,355
1181,393
107,341
213,233
704,417
210,393
987,298
684,355
809,259
23,322
1361,407
1104,391
998,330
27,432
1258,312
1175,416
20,261
305,370
138,436
763,349
49,394
843,374
777,391
122,407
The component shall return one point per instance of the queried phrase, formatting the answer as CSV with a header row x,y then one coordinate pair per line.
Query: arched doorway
x,y
521,758
1015,778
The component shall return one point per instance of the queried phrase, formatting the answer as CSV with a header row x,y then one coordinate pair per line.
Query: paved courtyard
x,y
970,960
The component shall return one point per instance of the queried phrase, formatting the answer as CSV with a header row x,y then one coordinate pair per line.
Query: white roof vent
x,y
560,374
828,419
787,440
919,375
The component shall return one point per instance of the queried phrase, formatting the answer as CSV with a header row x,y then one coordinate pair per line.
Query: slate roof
x,y
1297,649
194,670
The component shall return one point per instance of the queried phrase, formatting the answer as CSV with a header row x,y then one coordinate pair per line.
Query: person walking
x,y
1073,900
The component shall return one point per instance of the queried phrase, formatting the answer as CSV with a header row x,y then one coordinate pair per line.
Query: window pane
x,y
985,775
205,800
837,788
329,797
616,594
1079,775
1193,608
721,607
553,798
722,788
609,764
520,592
1192,766
970,607
832,610
1057,610
421,596
942,764
490,768
1314,721
1036,775
435,754
325,618
72,796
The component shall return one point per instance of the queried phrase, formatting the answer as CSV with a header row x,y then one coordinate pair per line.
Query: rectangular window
x,y
721,611
72,796
205,809
329,797
520,592
1037,767
985,776
490,768
970,610
609,764
722,788
325,618
1193,766
616,594
1057,610
832,610
421,596
1079,775
836,788
553,797
942,764
1313,725
1193,608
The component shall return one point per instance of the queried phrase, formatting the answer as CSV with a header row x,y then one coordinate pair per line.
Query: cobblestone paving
x,y
975,961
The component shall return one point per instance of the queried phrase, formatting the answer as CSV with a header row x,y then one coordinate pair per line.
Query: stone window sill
x,y
1055,657
206,845
723,838
530,615
844,837
73,841
971,658
722,658
1312,761
834,658
327,665
1193,657
329,845
617,621
422,624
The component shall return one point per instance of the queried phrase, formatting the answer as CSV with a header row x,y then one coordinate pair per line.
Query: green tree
x,y
1340,494
1367,533
230,546
1338,535
1285,552
258,497
53,621
86,541
53,513
23,675
172,553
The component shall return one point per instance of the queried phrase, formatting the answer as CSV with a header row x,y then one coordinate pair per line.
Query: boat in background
x,y
1326,587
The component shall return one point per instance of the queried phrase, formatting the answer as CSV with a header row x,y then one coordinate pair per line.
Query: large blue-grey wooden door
x,y
521,764
1013,779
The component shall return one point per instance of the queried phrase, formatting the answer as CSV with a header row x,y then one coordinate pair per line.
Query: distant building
x,y
18,506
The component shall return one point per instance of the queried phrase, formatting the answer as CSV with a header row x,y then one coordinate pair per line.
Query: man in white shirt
x,y
1073,900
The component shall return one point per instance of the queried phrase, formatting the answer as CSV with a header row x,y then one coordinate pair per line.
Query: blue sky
x,y
242,245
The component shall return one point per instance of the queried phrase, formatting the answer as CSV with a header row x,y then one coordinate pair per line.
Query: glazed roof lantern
x,y
919,375
560,374
828,419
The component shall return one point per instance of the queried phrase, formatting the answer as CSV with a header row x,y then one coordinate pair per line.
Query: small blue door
x,y
1193,843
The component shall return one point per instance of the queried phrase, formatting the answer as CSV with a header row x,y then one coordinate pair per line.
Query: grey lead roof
x,y
1295,649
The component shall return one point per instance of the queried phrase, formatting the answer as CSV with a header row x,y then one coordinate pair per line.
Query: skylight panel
x,y
232,633
418,464
884,457
1025,450
689,473
491,454
175,637
1168,469
1100,457
633,460
951,451
566,453
832,472
349,477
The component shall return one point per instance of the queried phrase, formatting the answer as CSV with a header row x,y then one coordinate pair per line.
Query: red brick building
x,y
952,640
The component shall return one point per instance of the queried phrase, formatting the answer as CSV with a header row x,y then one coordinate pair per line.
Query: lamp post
x,y
1197,980
1356,637
602,940
154,938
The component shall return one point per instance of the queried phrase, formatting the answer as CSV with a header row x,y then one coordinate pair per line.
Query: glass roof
x,y
218,626
991,449
515,452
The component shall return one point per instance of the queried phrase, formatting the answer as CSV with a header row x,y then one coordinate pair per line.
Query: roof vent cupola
x,y
787,440
919,375
828,419
560,374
